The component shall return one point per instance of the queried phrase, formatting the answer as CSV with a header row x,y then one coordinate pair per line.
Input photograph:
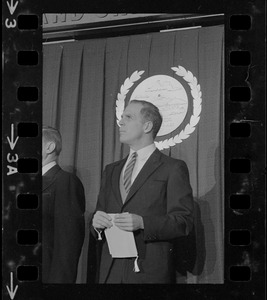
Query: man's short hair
x,y
150,112
51,134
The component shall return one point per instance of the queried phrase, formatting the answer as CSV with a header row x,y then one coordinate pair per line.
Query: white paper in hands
x,y
121,243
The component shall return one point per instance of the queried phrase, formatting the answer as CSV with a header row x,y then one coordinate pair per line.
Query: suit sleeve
x,y
69,229
178,220
100,205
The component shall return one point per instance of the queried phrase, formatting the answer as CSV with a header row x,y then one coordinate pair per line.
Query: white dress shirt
x,y
47,167
142,156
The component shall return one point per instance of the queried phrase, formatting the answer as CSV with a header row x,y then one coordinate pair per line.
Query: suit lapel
x,y
50,177
116,179
149,167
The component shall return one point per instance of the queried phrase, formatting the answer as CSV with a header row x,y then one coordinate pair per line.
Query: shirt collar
x,y
144,152
47,167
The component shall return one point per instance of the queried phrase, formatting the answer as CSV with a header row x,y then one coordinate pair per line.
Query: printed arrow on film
x,y
11,292
11,141
12,7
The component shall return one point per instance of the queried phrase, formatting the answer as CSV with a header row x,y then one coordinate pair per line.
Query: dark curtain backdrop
x,y
81,81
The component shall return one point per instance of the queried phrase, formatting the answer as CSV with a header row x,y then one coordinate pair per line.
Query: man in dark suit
x,y
156,203
63,205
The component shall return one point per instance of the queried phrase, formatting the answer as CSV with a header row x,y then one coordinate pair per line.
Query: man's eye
x,y
126,117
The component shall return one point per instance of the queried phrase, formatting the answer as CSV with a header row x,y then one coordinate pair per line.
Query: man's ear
x,y
148,126
50,147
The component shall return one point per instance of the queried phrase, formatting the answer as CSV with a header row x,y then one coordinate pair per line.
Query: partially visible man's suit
x,y
63,226
162,195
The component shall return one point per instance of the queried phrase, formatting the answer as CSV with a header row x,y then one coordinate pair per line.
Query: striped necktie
x,y
128,173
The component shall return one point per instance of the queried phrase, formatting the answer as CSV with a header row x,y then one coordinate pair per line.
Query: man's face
x,y
132,125
45,145
44,155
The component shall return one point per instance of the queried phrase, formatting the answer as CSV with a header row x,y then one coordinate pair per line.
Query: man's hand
x,y
128,222
101,220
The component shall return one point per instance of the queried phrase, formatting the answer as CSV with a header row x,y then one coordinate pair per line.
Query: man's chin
x,y
123,140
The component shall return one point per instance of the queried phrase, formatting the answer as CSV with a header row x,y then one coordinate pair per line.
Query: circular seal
x,y
196,94
168,95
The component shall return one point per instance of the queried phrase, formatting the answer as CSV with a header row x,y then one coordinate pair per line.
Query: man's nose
x,y
121,122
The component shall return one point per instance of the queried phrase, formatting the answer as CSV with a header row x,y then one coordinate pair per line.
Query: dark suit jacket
x,y
162,195
63,225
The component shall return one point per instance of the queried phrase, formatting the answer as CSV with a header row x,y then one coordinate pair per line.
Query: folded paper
x,y
121,243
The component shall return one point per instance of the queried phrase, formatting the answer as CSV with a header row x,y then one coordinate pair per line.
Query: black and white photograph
x,y
133,149
129,85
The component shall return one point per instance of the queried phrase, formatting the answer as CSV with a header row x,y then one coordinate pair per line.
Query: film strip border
x,y
244,138
244,167
22,144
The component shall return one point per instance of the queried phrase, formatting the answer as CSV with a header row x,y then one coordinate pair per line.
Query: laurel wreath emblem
x,y
197,104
